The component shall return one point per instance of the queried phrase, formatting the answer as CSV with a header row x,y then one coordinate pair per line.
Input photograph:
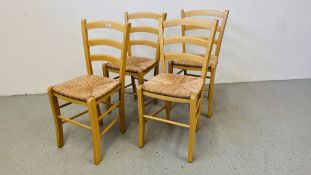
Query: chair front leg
x,y
94,129
58,122
211,92
192,120
141,128
122,110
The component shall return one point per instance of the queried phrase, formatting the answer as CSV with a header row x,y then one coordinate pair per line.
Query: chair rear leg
x,y
141,130
192,120
94,130
106,74
168,109
58,122
211,93
122,110
134,87
170,67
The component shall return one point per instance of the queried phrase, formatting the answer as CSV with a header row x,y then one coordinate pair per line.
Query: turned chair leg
x,y
211,92
58,122
192,119
122,110
94,130
141,130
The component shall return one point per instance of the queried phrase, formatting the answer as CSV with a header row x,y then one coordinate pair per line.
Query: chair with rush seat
x,y
185,65
178,88
91,90
136,66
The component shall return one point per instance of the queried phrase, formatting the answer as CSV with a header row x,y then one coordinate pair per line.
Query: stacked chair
x,y
92,90
185,65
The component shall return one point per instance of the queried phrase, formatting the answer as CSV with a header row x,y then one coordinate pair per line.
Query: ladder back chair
x,y
91,90
178,88
137,67
185,65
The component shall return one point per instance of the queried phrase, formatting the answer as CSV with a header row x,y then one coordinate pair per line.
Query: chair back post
x,y
209,49
183,31
222,31
86,48
126,20
124,53
161,45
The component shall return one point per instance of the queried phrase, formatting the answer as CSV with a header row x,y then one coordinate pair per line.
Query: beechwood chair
x,y
185,65
91,90
136,66
178,88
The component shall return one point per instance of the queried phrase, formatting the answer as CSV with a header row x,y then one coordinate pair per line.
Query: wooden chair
x,y
137,67
91,90
178,88
185,65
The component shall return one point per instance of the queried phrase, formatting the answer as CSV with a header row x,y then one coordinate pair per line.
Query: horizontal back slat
x,y
186,56
186,40
145,29
149,15
144,42
106,42
214,13
105,24
219,28
188,22
206,38
103,57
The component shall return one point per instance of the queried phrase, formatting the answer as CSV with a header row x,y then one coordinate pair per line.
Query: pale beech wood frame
x,y
144,42
223,16
92,104
195,100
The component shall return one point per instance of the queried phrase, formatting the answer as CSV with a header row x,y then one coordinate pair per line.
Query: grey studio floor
x,y
257,128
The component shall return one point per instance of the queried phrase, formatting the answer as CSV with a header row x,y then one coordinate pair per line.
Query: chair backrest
x,y
122,46
129,17
206,44
222,16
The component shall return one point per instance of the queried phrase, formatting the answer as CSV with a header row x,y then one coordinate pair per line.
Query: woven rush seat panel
x,y
135,64
183,62
180,86
86,86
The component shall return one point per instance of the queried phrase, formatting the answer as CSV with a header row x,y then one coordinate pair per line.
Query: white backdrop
x,y
41,43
